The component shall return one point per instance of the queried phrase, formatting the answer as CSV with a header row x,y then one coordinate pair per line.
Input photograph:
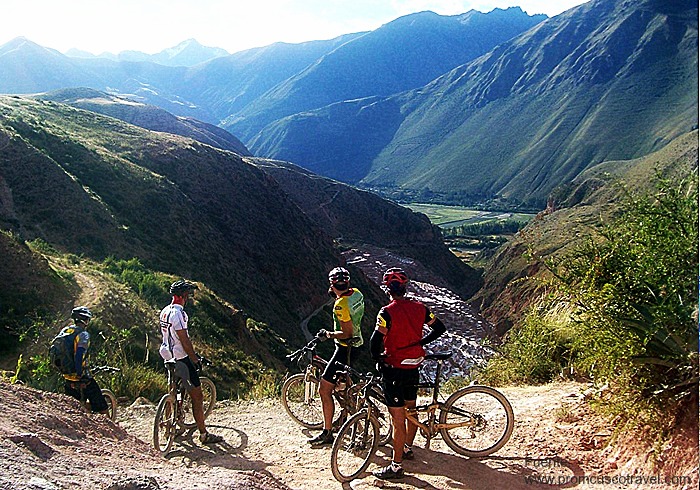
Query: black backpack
x,y
62,350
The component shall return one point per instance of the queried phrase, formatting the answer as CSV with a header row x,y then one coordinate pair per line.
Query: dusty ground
x,y
46,442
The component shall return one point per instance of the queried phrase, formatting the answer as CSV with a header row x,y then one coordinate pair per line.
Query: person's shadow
x,y
489,473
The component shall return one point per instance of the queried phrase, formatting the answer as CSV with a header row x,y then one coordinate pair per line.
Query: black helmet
x,y
81,314
181,287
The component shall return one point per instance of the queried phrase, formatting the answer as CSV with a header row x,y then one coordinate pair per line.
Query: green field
x,y
451,216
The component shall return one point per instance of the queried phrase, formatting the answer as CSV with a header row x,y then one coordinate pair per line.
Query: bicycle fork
x,y
309,387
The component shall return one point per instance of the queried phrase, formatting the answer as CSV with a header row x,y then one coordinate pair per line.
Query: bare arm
x,y
186,342
344,333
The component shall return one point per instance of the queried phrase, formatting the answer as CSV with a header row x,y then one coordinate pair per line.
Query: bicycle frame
x,y
316,365
432,427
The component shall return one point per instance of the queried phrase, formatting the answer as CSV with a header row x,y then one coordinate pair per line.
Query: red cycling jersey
x,y
404,319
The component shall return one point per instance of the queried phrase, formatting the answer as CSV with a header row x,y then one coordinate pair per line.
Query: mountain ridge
x,y
605,80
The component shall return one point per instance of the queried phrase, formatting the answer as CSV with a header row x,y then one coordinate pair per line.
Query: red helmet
x,y
395,275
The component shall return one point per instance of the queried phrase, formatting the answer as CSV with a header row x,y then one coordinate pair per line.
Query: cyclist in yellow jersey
x,y
348,309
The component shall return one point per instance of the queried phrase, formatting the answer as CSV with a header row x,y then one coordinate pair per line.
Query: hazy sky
x,y
150,26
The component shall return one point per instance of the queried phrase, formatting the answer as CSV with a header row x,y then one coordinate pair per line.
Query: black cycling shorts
x,y
92,393
194,374
343,355
400,385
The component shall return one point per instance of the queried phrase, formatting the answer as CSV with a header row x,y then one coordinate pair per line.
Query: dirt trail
x,y
554,436
47,442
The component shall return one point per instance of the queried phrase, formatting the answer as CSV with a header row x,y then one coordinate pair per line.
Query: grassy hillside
x,y
604,81
125,298
147,116
91,185
608,80
516,272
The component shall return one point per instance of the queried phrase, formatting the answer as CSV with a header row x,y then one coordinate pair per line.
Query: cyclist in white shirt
x,y
178,345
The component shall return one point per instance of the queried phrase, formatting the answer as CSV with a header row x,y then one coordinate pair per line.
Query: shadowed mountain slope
x,y
354,216
403,54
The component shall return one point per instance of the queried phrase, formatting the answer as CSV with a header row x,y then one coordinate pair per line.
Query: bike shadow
x,y
513,473
227,454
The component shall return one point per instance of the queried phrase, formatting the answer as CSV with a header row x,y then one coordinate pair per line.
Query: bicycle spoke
x,y
164,424
480,421
354,447
302,401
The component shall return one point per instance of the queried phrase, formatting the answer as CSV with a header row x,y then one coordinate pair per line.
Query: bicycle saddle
x,y
439,356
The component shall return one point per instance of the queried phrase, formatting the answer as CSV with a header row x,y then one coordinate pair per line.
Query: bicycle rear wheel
x,y
484,421
354,446
164,424
111,403
208,402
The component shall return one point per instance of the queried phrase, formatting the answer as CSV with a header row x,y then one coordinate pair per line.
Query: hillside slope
x,y
357,217
92,185
579,207
147,117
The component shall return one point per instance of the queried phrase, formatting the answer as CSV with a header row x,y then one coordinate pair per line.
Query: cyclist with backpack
x,y
69,353
348,309
178,345
397,346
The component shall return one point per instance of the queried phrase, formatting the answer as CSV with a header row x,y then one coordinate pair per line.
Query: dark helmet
x,y
81,314
339,274
395,279
180,287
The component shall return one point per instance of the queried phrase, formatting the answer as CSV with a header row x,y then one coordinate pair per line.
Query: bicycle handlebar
x,y
309,347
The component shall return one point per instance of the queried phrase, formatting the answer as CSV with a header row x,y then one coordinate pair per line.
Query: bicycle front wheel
x,y
383,417
302,401
481,421
111,403
354,446
164,425
208,402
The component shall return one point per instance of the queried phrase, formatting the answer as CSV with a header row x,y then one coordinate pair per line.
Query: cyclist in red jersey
x,y
397,344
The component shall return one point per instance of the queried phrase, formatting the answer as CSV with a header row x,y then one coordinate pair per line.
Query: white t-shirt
x,y
172,318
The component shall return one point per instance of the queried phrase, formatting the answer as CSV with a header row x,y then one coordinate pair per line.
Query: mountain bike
x,y
302,401
110,398
475,421
174,411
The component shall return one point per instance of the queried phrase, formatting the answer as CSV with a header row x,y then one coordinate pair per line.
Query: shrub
x,y
631,306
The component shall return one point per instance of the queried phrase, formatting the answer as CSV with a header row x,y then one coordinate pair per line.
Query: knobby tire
x,y
111,403
490,418
165,423
354,446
